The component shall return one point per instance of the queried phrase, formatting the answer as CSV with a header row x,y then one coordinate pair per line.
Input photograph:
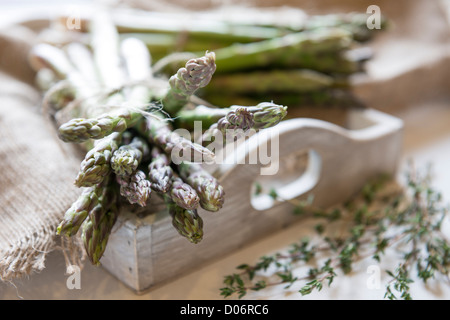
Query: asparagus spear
x,y
105,47
239,118
78,130
263,115
96,164
127,158
185,118
97,226
208,188
285,19
59,95
45,56
293,50
204,29
234,125
91,201
137,63
267,114
187,222
354,22
183,194
77,213
159,171
135,187
158,133
45,79
242,25
162,44
267,81
325,97
95,236
195,75
82,59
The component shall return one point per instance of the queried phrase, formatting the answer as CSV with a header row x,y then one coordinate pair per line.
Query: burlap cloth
x,y
36,172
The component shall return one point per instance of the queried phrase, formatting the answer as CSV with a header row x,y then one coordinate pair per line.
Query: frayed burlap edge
x,y
29,255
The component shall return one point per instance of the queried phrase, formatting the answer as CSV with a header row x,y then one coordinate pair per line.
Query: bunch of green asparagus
x,y
105,97
289,56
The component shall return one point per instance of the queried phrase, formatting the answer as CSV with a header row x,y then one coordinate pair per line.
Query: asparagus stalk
x,y
263,115
162,44
45,79
127,158
145,87
208,188
158,133
206,115
45,56
325,97
82,58
137,62
105,47
239,118
267,114
78,130
355,23
187,222
195,75
293,51
242,25
285,19
77,213
59,95
159,171
97,226
135,187
268,81
95,236
91,201
96,164
204,29
183,194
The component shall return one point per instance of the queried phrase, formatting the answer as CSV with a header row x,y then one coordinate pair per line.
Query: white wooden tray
x,y
317,158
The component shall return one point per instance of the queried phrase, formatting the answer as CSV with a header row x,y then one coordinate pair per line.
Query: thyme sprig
x,y
385,215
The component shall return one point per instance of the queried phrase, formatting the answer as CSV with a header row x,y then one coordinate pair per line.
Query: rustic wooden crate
x,y
331,162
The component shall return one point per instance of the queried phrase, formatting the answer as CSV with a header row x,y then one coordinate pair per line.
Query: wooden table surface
x,y
426,140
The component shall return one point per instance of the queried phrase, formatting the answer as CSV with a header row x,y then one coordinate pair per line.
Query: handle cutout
x,y
298,173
